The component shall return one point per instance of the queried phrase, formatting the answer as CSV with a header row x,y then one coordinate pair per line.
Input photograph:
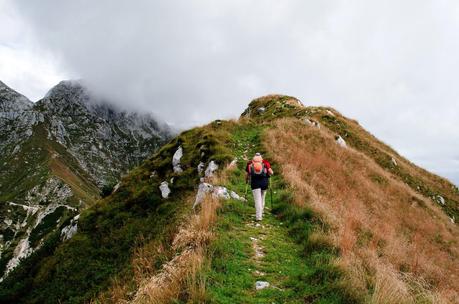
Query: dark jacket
x,y
259,181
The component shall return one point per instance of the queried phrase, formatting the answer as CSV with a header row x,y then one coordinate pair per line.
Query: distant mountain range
x,y
56,155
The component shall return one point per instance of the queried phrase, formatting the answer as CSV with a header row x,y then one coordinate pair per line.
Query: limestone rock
x,y
340,141
261,110
211,168
176,160
259,285
69,231
330,113
311,123
164,188
440,199
200,168
203,189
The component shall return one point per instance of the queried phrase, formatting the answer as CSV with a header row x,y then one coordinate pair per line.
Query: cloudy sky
x,y
392,65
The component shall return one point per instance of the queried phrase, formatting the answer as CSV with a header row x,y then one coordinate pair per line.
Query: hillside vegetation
x,y
347,223
56,155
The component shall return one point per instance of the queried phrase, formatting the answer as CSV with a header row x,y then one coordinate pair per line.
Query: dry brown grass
x,y
80,186
182,260
429,179
397,246
181,276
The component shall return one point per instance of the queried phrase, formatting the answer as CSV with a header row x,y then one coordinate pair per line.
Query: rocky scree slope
x,y
55,155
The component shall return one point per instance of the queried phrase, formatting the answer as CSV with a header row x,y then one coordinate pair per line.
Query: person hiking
x,y
258,173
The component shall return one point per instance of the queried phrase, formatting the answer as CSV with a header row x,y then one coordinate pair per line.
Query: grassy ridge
x,y
110,230
300,268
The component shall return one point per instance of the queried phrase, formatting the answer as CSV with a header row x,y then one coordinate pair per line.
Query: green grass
x,y
299,270
110,230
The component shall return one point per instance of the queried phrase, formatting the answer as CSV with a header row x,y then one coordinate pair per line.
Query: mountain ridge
x,y
364,224
43,175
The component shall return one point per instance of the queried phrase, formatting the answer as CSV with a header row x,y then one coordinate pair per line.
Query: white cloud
x,y
390,64
24,65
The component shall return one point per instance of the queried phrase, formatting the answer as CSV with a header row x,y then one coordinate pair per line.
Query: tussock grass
x,y
397,246
181,277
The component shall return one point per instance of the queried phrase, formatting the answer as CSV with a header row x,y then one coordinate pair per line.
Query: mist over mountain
x,y
56,156
390,65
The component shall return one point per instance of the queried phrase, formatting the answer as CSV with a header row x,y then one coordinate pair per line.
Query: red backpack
x,y
258,169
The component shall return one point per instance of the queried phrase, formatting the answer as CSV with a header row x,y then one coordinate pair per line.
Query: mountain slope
x,y
54,161
355,222
104,139
114,229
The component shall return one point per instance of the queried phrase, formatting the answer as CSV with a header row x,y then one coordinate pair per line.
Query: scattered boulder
x,y
203,189
211,168
440,199
69,231
201,168
261,110
117,186
219,192
394,162
176,160
452,219
259,285
164,188
340,141
312,123
330,113
232,164
236,196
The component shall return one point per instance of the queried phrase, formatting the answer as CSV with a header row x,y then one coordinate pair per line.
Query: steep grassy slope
x,y
347,224
28,186
421,181
396,244
110,231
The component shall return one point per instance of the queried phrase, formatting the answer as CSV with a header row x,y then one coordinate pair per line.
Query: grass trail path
x,y
278,250
248,252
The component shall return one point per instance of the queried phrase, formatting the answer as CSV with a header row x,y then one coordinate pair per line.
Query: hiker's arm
x,y
270,171
247,178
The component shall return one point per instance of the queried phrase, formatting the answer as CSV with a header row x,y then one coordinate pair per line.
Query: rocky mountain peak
x,y
71,90
55,155
10,100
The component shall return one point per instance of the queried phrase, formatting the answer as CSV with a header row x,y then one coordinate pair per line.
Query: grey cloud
x,y
390,64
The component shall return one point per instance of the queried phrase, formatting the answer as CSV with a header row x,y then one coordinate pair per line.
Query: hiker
x,y
258,172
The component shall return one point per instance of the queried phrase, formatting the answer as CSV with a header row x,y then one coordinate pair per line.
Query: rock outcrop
x,y
55,155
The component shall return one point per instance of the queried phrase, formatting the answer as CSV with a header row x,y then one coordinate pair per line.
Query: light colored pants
x,y
259,198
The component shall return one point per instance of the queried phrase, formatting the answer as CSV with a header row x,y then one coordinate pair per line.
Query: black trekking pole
x,y
271,192
246,187
245,193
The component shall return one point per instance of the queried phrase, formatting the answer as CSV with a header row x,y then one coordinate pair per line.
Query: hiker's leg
x,y
263,196
258,204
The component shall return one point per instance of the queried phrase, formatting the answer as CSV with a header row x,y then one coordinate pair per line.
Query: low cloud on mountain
x,y
391,65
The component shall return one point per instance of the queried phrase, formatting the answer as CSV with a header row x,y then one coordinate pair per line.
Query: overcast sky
x,y
392,65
